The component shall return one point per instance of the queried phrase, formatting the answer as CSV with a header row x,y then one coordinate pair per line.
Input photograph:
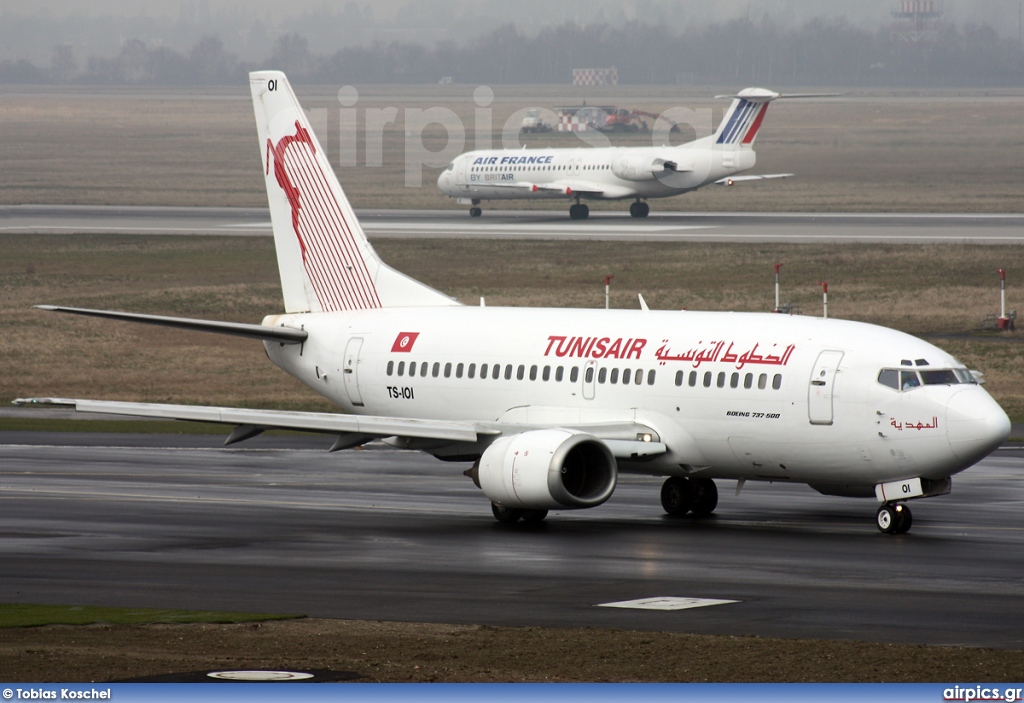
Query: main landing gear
x,y
894,518
476,210
639,209
681,495
579,211
510,516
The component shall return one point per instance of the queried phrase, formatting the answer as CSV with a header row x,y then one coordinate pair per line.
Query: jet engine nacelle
x,y
545,469
634,167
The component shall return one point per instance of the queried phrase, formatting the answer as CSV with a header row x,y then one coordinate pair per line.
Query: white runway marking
x,y
666,603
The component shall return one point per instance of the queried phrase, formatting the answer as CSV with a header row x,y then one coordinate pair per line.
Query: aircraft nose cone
x,y
976,425
442,181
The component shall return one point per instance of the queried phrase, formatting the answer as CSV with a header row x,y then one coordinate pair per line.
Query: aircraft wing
x,y
570,188
352,430
731,180
255,421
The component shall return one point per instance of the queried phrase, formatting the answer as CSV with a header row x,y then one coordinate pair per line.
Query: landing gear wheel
x,y
705,496
506,516
639,209
534,517
894,518
579,211
677,496
475,212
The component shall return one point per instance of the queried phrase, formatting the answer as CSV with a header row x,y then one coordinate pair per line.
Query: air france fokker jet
x,y
614,173
551,405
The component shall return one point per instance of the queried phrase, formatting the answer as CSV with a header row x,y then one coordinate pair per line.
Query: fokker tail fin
x,y
326,262
743,118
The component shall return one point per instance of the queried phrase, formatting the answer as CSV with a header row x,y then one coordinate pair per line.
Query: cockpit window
x,y
889,377
905,379
909,379
938,378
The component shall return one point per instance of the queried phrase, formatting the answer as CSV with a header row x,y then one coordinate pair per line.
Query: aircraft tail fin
x,y
325,260
743,118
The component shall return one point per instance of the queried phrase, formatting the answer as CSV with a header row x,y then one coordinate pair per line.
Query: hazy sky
x,y
26,32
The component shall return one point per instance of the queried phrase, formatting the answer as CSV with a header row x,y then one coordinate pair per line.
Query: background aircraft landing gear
x,y
639,209
475,211
579,211
894,518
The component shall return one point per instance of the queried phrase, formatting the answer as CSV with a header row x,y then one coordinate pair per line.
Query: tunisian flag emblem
x,y
404,341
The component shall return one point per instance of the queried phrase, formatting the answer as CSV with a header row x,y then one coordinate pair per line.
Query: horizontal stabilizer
x,y
732,180
328,423
284,335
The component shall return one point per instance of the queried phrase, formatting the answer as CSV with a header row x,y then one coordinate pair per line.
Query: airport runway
x,y
281,526
552,224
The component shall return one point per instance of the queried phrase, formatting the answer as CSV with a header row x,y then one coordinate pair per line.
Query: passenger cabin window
x,y
777,381
574,374
391,368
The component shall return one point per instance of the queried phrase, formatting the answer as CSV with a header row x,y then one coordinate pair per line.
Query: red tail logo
x,y
291,192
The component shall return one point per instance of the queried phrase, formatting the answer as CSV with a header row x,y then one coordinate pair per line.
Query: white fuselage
x,y
611,173
733,395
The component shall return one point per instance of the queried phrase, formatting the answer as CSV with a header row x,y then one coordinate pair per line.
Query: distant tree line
x,y
825,52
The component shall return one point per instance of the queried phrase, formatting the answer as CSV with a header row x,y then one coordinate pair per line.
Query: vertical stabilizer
x,y
326,262
743,118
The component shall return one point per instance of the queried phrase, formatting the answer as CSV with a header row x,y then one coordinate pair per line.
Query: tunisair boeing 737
x,y
550,405
615,173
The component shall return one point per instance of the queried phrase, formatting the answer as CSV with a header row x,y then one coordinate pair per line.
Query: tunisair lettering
x,y
595,347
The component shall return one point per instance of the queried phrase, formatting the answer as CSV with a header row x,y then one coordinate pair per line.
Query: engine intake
x,y
543,469
641,168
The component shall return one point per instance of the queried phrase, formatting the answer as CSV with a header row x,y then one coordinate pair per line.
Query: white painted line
x,y
666,603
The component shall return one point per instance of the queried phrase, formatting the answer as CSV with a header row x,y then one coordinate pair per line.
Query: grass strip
x,y
32,615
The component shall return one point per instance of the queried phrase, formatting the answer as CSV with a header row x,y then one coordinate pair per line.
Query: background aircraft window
x,y
721,379
559,372
533,372
412,368
693,379
574,374
391,367
889,377
602,375
679,378
458,370
589,375
639,378
546,375
762,381
939,378
748,380
906,379
508,372
448,370
777,381
401,368
471,371
436,370
626,375
734,381
707,379
615,376
520,372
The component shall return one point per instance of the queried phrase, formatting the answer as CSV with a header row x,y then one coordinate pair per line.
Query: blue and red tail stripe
x,y
742,125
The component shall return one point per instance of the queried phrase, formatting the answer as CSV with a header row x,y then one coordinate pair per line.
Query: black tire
x,y
705,496
584,211
886,519
533,517
475,212
506,516
574,212
677,496
904,520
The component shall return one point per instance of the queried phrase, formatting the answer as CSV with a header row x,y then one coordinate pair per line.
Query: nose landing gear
x,y
894,518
